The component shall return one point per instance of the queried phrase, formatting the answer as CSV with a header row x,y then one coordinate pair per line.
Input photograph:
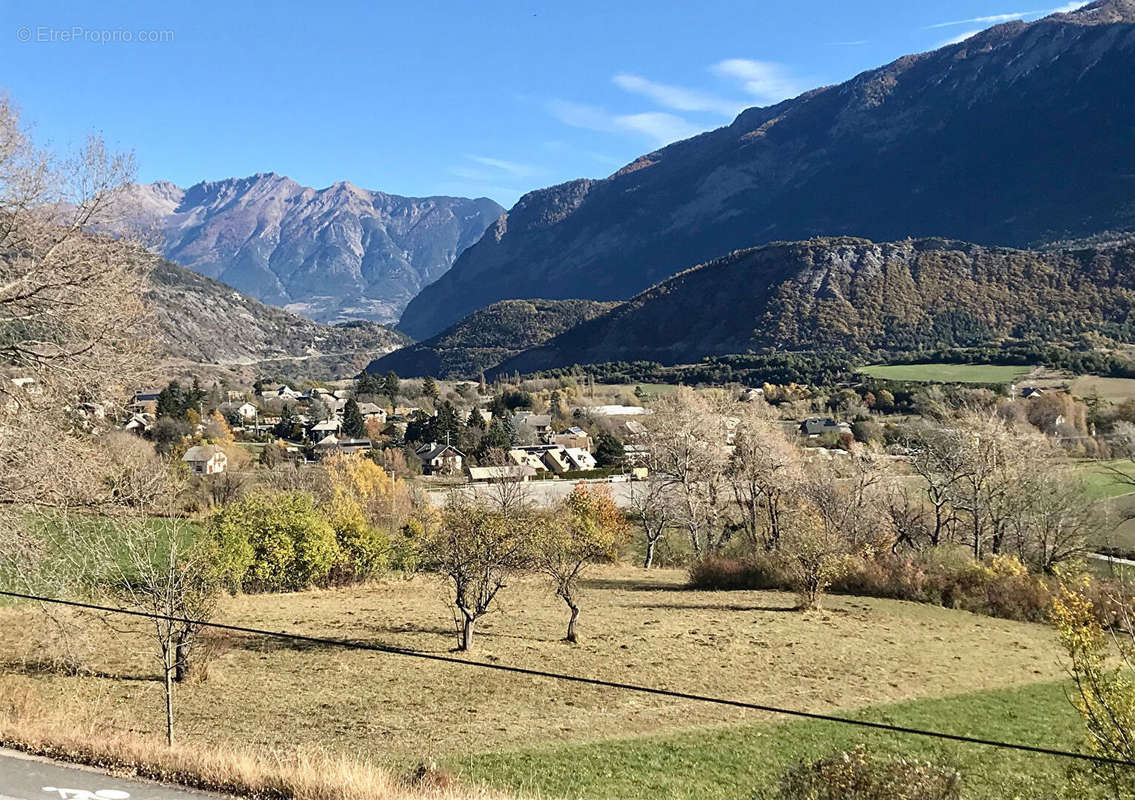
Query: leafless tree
x,y
652,504
71,313
688,447
506,490
764,471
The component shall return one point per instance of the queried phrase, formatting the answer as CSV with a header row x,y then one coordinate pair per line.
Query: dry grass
x,y
1114,389
309,773
637,627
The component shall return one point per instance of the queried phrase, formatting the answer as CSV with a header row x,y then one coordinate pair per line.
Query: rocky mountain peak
x,y
1101,12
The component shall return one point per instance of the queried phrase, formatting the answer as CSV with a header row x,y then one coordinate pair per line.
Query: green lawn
x,y
947,373
746,760
1101,482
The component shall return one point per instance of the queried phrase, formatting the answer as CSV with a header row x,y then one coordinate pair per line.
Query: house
x,y
328,427
750,394
145,401
247,412
373,411
556,459
636,455
205,459
574,436
815,426
580,459
139,423
444,459
333,444
1029,392
517,472
486,415
541,423
525,458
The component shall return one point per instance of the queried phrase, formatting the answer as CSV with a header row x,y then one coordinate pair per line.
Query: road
x,y
540,493
27,778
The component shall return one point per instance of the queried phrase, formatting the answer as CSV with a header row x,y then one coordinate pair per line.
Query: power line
x,y
537,673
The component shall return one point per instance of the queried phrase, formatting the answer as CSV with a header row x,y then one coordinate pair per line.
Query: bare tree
x,y
764,471
156,567
652,504
71,313
506,490
688,447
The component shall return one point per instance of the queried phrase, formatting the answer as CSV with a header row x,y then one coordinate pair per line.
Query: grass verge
x,y
748,760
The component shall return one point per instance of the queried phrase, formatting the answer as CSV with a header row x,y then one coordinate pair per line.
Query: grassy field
x,y
739,760
1114,389
637,627
947,373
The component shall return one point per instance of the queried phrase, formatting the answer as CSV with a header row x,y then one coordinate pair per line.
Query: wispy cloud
x,y
511,167
993,19
765,81
677,98
961,37
659,127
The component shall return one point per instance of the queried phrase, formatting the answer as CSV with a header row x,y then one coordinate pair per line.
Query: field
x,y
539,735
1115,389
947,373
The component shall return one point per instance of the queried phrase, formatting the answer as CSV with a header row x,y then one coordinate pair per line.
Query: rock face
x,y
329,254
487,337
853,295
1017,136
198,320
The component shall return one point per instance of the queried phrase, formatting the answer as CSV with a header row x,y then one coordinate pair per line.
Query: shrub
x,y
753,572
364,550
274,542
859,775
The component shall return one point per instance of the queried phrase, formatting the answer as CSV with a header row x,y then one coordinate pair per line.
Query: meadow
x,y
947,373
890,660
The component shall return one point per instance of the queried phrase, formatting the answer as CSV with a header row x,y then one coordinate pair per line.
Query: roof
x,y
327,425
574,430
429,452
505,471
535,420
201,452
370,408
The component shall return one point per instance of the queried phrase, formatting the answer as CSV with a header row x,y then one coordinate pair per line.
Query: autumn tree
x,y
476,549
586,527
1102,667
813,554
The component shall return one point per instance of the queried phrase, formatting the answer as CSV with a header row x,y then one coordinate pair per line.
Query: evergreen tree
x,y
447,425
430,390
609,451
475,420
287,423
391,386
171,401
354,426
508,425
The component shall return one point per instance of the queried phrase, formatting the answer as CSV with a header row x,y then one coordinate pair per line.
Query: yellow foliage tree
x,y
586,527
1105,688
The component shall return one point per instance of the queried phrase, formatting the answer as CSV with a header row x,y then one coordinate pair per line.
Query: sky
x,y
433,97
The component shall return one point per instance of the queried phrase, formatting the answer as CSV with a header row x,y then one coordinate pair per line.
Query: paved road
x,y
26,778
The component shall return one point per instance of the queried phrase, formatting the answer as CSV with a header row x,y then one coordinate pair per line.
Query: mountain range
x,y
329,254
1021,135
200,323
487,337
853,295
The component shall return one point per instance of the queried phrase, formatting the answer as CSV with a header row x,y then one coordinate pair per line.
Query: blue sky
x,y
438,96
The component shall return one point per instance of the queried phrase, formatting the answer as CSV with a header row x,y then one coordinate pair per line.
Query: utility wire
x,y
537,673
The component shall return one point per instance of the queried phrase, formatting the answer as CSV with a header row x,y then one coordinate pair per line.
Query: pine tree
x,y
391,386
430,390
475,420
354,426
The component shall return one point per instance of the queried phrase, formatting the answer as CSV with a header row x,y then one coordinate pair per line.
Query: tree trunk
x,y
648,561
571,637
168,659
467,633
181,658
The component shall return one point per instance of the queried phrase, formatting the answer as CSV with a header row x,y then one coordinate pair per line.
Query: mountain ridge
x,y
332,254
1012,137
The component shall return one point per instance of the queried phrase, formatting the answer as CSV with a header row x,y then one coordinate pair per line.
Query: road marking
x,y
83,794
